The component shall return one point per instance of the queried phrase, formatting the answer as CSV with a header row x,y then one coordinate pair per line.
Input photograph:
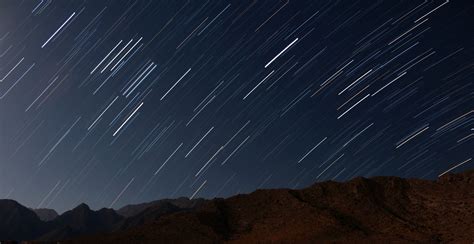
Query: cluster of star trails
x,y
116,102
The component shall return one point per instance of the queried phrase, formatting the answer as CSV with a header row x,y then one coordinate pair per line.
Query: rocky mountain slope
x,y
376,210
45,214
18,222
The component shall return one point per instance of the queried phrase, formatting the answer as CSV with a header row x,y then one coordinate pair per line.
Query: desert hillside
x,y
376,210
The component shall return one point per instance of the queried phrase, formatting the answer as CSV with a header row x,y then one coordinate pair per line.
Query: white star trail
x,y
118,102
281,52
59,29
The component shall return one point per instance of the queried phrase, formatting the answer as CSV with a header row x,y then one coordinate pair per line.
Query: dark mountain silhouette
x,y
376,210
152,211
180,203
18,222
81,220
45,214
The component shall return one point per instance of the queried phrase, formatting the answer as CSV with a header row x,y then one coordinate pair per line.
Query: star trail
x,y
117,102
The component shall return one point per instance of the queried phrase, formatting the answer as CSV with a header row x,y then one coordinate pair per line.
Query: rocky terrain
x,y
375,210
45,214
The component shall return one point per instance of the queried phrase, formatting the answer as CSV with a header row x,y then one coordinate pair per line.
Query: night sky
x,y
118,102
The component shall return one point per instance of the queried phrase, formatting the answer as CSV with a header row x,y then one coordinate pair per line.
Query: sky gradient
x,y
118,102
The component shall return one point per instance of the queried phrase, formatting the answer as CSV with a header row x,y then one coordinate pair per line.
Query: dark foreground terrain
x,y
376,210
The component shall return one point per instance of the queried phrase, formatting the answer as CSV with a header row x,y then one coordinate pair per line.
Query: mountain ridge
x,y
380,209
45,214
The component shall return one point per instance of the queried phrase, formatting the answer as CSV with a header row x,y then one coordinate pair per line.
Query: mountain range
x,y
379,209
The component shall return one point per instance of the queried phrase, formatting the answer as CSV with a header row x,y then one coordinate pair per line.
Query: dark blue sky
x,y
116,102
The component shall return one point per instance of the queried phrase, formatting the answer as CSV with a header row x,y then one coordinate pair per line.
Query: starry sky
x,y
118,102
